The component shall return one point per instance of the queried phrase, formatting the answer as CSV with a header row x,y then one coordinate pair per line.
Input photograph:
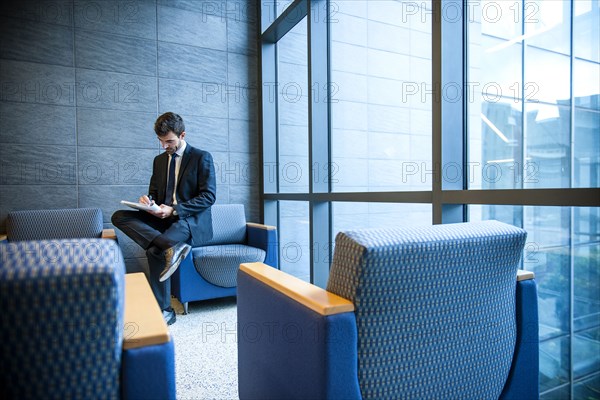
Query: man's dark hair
x,y
169,122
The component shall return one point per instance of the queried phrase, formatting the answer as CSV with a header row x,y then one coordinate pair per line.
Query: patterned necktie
x,y
171,181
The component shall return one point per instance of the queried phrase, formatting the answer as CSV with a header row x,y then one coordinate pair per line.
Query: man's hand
x,y
145,200
164,212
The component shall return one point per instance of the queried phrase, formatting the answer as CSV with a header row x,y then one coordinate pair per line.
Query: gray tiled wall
x,y
82,82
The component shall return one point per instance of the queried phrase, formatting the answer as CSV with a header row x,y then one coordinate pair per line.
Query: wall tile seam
x,y
196,47
86,108
23,19
112,71
209,14
226,51
234,84
86,146
81,28
76,68
113,33
35,62
72,19
36,103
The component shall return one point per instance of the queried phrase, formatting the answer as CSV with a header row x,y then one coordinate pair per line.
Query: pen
x,y
151,201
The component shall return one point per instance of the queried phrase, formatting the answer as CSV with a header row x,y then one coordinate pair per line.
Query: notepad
x,y
141,206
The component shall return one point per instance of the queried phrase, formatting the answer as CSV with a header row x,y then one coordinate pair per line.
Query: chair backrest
x,y
62,318
54,224
435,307
229,224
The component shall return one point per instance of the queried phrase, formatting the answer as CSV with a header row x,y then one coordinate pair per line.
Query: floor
x,y
206,350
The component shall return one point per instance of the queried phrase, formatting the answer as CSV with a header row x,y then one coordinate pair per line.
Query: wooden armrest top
x,y
144,324
261,226
523,275
3,237
311,296
109,234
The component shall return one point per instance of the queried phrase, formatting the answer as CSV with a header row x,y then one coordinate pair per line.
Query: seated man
x,y
183,184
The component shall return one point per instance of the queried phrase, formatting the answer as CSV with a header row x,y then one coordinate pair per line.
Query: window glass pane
x,y
561,242
292,102
587,297
495,87
495,146
350,216
554,363
586,84
561,393
294,238
381,107
586,347
548,151
499,72
586,30
547,76
587,148
586,225
498,18
587,388
547,25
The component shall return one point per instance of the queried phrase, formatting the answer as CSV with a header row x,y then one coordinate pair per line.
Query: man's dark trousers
x,y
154,235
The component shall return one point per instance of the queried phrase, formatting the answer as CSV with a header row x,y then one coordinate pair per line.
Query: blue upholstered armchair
x,y
422,313
68,223
74,326
210,271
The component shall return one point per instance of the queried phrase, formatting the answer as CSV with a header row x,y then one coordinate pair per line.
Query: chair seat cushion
x,y
219,264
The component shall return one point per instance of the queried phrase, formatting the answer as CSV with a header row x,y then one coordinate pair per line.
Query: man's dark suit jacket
x,y
195,192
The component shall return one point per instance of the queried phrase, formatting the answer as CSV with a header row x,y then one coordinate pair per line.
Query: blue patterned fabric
x,y
435,307
229,224
62,319
219,264
54,224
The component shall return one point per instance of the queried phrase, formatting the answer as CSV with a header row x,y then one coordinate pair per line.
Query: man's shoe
x,y
169,316
173,257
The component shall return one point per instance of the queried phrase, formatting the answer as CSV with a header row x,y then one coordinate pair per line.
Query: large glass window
x,y
534,123
363,138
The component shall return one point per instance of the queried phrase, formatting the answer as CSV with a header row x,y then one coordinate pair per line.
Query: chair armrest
x,y
523,275
280,335
261,226
144,324
109,234
3,238
311,296
148,362
264,237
